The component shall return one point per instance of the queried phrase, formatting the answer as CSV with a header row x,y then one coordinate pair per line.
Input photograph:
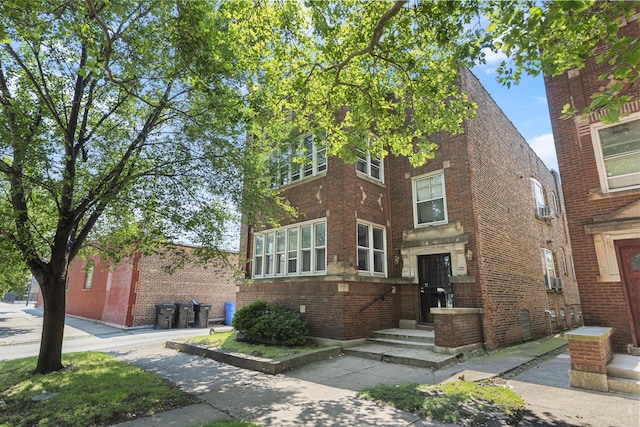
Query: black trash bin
x,y
201,315
164,316
183,313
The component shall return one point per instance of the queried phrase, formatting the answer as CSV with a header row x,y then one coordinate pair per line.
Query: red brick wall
x,y
116,304
602,302
457,330
590,356
487,178
82,302
509,235
112,299
212,283
332,314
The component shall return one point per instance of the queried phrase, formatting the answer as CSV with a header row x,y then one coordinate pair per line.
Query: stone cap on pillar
x,y
589,333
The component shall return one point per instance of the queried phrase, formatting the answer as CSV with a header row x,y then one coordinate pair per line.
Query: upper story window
x,y
541,208
429,200
555,203
372,253
289,167
296,250
617,149
551,278
370,166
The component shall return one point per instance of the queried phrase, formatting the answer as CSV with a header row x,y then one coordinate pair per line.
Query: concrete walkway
x,y
324,393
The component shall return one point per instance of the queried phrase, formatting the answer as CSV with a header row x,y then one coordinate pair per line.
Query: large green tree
x,y
122,122
120,128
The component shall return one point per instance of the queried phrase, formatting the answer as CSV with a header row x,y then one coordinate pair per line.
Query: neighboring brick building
x,y
126,294
382,244
600,169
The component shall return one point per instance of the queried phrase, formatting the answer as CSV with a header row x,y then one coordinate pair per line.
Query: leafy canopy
x,y
123,122
128,123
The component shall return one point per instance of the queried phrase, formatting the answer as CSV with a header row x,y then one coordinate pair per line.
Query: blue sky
x,y
525,105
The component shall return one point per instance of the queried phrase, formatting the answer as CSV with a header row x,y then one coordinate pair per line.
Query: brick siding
x,y
126,294
602,302
490,204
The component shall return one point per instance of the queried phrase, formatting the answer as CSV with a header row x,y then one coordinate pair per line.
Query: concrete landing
x,y
404,356
623,374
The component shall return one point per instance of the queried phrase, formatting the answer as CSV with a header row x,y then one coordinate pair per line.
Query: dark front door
x,y
433,272
629,264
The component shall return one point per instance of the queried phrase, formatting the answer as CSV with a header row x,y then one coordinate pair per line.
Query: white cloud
x,y
540,99
545,148
494,58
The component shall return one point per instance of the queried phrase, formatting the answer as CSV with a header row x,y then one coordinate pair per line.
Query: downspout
x,y
135,275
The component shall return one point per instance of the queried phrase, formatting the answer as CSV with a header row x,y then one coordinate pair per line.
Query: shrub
x,y
264,323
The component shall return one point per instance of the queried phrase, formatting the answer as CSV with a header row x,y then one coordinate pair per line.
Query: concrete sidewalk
x,y
324,393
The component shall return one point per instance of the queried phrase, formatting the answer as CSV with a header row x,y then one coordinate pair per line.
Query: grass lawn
x,y
227,341
461,402
93,389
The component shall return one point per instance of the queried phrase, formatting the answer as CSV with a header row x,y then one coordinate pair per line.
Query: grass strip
x,y
460,402
93,389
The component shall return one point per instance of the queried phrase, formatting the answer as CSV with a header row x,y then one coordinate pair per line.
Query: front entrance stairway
x,y
623,374
412,347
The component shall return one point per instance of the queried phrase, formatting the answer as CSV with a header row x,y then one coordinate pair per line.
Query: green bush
x,y
264,323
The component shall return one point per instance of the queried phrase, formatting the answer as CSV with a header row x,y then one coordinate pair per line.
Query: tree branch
x,y
375,37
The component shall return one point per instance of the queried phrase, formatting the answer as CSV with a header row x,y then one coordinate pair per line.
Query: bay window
x,y
291,251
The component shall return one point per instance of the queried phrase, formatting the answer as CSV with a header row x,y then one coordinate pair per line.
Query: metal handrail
x,y
379,298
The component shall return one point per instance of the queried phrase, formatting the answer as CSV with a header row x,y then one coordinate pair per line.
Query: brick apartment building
x,y
473,243
600,168
126,294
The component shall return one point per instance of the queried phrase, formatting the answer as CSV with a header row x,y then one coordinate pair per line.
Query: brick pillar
x,y
457,330
590,350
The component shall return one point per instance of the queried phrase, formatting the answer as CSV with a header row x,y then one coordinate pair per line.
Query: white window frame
x,y
549,266
633,179
540,204
368,253
366,165
279,261
315,162
414,183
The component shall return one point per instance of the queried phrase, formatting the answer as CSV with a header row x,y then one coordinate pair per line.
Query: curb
x,y
254,363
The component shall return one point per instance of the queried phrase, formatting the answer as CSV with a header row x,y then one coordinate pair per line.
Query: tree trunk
x,y
53,296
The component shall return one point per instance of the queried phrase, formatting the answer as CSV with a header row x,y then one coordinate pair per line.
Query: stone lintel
x,y
456,310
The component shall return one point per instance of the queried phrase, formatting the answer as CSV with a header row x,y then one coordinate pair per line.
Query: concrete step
x,y
624,385
402,344
403,356
624,366
415,335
